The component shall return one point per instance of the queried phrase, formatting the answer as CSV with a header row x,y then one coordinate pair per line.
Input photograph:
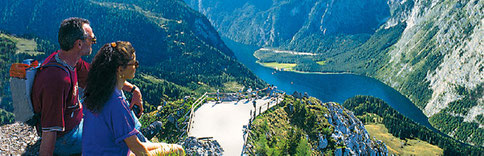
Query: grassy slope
x,y
373,110
278,132
402,147
23,46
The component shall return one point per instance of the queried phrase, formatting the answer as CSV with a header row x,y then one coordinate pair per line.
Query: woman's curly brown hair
x,y
102,76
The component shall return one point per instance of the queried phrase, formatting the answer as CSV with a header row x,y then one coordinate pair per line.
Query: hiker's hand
x,y
137,100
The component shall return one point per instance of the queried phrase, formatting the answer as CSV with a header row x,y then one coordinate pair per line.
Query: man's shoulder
x,y
54,68
54,73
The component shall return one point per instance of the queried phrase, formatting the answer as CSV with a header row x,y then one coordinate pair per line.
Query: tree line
x,y
403,127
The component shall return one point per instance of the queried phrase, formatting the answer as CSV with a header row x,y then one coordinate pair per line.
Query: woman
x,y
109,127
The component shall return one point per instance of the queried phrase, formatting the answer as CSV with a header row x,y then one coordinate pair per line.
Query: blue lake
x,y
328,87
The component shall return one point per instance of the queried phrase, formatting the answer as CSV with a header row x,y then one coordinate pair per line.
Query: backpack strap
x,y
55,64
58,65
35,120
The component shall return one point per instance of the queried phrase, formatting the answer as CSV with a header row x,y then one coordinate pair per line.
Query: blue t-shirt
x,y
104,132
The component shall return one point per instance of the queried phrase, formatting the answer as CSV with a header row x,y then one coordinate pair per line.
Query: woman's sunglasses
x,y
135,63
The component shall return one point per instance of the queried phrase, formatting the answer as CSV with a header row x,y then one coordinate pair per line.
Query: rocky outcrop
x,y
18,139
339,131
194,146
350,133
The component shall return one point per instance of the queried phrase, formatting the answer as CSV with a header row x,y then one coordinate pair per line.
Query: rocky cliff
x,y
453,32
440,52
350,131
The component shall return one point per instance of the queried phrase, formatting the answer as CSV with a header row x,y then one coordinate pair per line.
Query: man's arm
x,y
137,97
47,145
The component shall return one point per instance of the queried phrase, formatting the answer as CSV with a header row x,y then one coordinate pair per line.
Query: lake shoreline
x,y
306,72
327,86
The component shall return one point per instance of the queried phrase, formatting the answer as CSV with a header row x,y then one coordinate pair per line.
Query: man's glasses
x,y
93,40
135,63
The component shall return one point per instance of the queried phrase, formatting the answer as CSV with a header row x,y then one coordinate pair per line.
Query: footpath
x,y
227,121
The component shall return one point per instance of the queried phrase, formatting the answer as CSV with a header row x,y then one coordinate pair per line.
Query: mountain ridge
x,y
272,23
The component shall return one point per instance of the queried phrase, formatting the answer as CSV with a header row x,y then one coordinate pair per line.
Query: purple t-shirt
x,y
104,132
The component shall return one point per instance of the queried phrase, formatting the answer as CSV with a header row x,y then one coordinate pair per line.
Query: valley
x,y
430,52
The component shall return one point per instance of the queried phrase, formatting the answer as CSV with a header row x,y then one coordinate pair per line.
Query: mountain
x,y
175,44
430,51
438,64
273,23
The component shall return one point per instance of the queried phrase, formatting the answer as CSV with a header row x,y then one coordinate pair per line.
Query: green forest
x,y
403,127
448,123
7,50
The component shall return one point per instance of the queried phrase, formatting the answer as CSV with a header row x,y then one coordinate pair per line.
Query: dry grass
x,y
321,62
402,147
283,66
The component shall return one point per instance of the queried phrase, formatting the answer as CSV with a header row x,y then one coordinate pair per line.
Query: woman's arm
x,y
164,149
136,146
141,148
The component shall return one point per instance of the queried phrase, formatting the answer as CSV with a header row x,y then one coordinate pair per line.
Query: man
x,y
55,93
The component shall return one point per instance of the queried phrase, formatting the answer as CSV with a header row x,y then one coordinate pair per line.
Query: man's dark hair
x,y
71,30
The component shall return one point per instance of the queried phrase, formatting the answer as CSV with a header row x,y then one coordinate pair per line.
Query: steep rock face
x,y
272,23
454,31
440,52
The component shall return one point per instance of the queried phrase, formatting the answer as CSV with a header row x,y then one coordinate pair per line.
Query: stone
x,y
201,146
19,139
